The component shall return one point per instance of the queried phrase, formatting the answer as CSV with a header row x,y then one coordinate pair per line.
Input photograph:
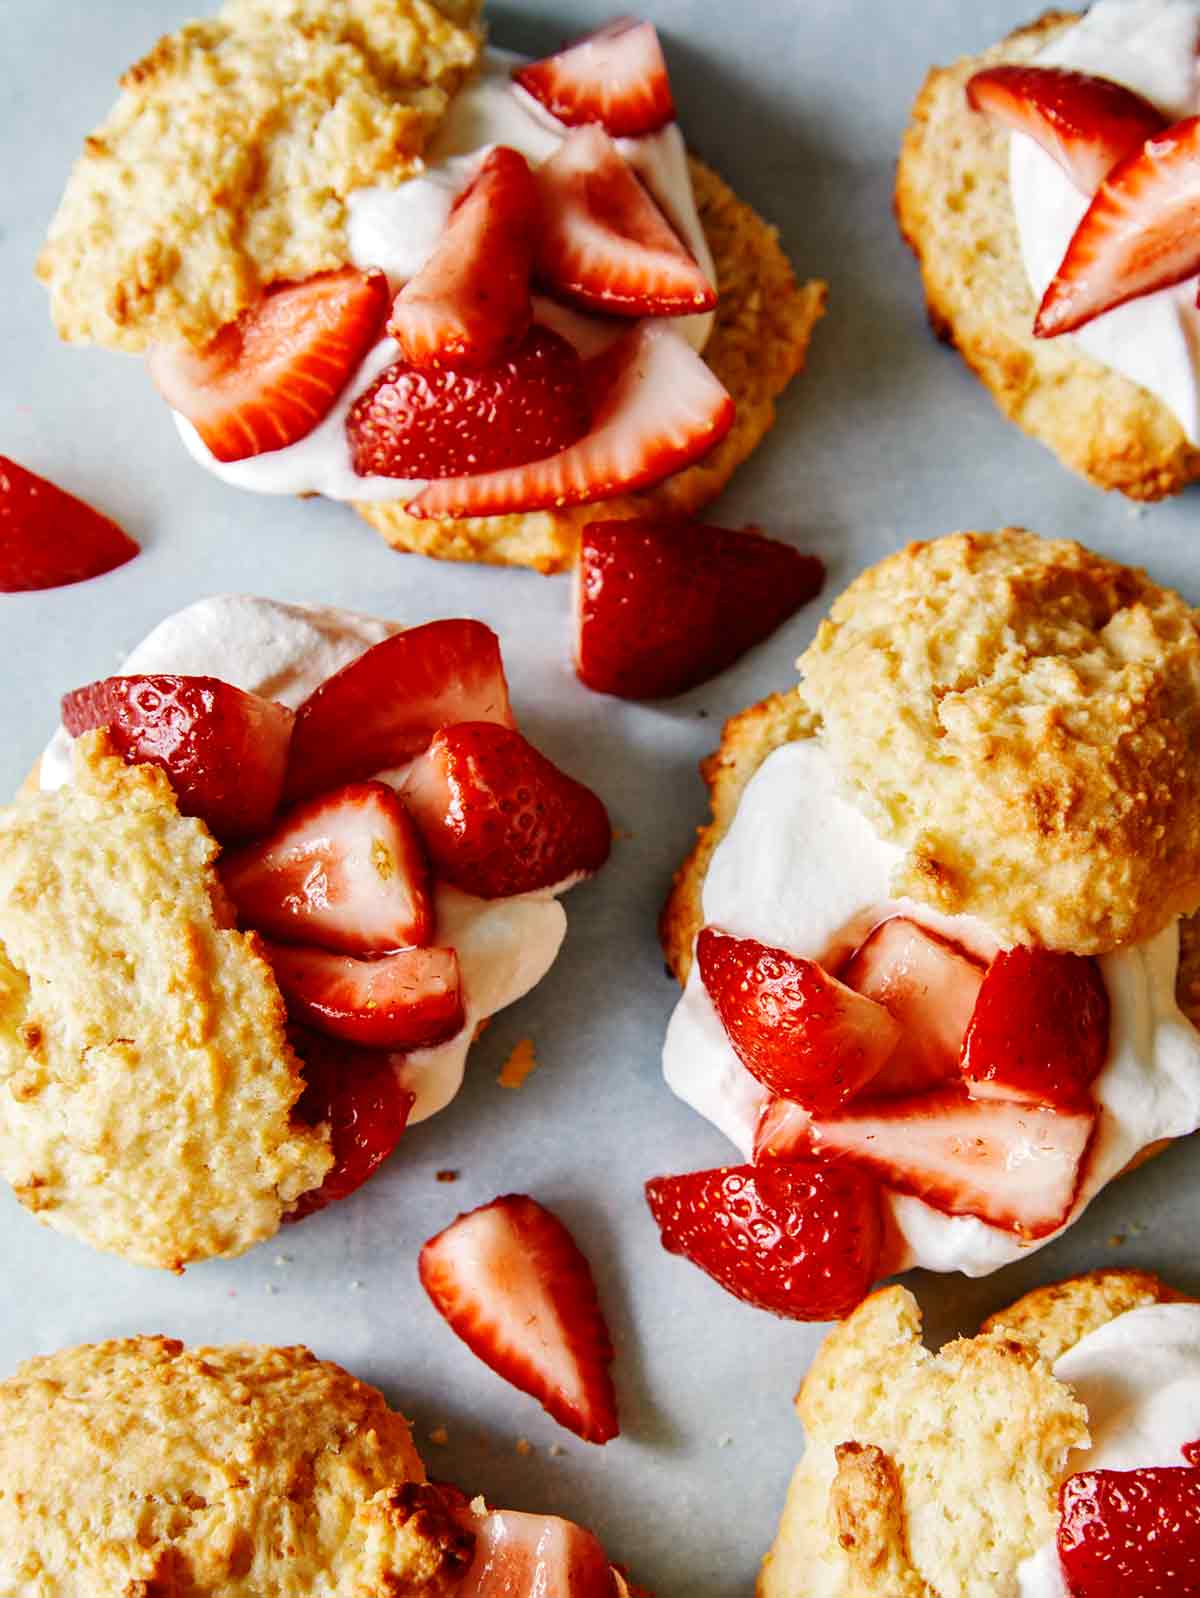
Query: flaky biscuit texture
x,y
146,1083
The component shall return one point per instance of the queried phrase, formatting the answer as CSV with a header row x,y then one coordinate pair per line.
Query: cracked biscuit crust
x,y
146,1083
141,1467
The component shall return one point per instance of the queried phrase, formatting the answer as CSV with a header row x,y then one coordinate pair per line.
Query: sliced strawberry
x,y
1140,233
48,538
604,243
498,818
661,410
346,870
1015,1166
1131,1533
801,1032
358,1094
799,1240
1039,1031
383,708
511,1282
225,751
1086,123
616,76
267,379
663,605
407,1000
929,986
518,1556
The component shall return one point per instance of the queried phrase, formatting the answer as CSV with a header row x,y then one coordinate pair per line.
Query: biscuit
x,y
955,211
146,1082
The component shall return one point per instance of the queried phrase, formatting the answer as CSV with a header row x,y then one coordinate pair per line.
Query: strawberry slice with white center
x,y
1140,233
604,244
49,538
616,76
268,378
1086,123
383,708
346,870
1015,1166
407,1000
511,1282
661,409
518,1556
469,304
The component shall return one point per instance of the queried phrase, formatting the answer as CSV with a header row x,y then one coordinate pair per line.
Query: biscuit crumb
x,y
520,1064
1116,1240
440,1436
557,1450
272,1289
524,1447
447,1176
357,1285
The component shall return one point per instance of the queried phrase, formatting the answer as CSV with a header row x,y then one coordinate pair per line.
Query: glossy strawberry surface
x,y
49,538
1131,1533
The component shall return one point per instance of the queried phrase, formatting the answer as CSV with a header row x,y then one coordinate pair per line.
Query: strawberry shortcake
x,y
485,300
251,922
937,972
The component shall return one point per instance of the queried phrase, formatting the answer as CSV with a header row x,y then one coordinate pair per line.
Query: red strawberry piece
x,y
929,986
225,751
518,1555
498,818
48,538
1015,1166
1132,1533
801,1032
1039,1032
799,1240
1140,233
604,244
664,605
358,1094
784,1132
1191,1452
511,1282
383,708
661,409
1086,123
346,870
407,1000
616,76
267,379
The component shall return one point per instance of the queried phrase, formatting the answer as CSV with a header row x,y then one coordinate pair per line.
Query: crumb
x,y
440,1436
703,714
557,1450
356,1285
621,835
1116,1240
283,1259
518,1065
271,1288
447,1176
524,1447
479,1505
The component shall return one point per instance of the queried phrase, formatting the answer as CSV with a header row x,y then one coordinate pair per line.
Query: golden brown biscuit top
x,y
225,164
1023,718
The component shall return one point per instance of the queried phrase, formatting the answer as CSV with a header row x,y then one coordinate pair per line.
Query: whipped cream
x,y
505,946
397,230
802,869
1149,46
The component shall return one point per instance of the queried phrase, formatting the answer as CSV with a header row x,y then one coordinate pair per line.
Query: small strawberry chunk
x,y
616,76
511,1282
225,751
346,871
799,1240
498,818
267,379
664,605
48,538
801,1032
1039,1031
604,243
383,708
1132,1533
408,1000
519,1556
1086,123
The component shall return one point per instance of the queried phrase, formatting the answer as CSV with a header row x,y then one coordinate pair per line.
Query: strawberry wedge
x,y
48,538
1131,1533
408,1000
616,76
519,1556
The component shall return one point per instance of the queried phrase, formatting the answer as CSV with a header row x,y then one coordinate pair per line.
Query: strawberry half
x,y
1086,123
498,818
519,1555
616,76
664,605
1039,1032
408,1000
800,1240
801,1032
225,751
431,422
1140,233
662,408
1135,1533
346,870
48,538
383,708
267,379
511,1282
604,243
